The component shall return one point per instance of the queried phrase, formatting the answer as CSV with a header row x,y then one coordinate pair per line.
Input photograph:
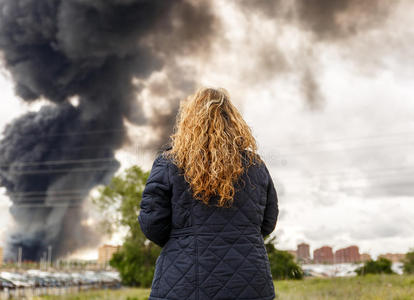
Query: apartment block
x,y
323,255
347,255
394,257
105,253
365,257
303,253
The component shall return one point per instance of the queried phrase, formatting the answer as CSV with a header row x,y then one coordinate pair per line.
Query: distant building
x,y
365,257
294,253
394,257
347,255
323,255
302,252
1,256
105,253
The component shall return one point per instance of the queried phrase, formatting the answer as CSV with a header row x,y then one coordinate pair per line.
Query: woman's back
x,y
209,252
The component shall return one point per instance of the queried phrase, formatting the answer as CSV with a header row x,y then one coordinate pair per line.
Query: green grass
x,y
121,294
370,287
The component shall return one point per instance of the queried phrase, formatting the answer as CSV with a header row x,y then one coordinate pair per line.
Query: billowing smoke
x,y
85,57
325,19
323,22
338,19
334,21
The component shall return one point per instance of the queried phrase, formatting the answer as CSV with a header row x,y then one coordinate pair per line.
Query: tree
x,y
408,266
282,263
380,266
119,204
136,262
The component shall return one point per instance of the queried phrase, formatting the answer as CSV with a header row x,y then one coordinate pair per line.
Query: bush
x,y
380,266
135,263
409,263
282,263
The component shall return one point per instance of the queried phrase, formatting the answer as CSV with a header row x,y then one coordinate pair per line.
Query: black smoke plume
x,y
84,57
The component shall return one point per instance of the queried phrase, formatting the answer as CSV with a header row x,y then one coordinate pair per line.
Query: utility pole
x,y
44,260
19,257
49,257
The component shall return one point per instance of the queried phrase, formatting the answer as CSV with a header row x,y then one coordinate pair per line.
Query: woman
x,y
208,202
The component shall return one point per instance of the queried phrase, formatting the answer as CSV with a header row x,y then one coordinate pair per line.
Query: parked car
x,y
6,284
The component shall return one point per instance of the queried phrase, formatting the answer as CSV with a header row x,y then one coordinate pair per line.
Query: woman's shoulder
x,y
162,156
252,158
257,165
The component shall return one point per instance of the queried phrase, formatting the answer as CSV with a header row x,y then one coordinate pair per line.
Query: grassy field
x,y
371,287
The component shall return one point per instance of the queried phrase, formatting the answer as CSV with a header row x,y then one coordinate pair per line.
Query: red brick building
x,y
323,255
394,257
303,253
347,255
365,257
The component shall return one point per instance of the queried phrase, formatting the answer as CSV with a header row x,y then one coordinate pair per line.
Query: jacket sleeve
x,y
271,210
155,213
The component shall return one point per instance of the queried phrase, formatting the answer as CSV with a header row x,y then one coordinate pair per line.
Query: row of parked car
x,y
43,279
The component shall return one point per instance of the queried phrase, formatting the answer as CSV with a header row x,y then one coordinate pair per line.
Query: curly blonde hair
x,y
212,144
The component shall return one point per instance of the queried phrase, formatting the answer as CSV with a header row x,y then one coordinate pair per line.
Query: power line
x,y
42,198
371,179
50,201
74,170
350,187
48,205
50,192
102,146
58,162
89,132
362,147
335,180
348,139
351,173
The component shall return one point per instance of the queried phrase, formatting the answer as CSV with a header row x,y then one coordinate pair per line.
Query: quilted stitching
x,y
209,252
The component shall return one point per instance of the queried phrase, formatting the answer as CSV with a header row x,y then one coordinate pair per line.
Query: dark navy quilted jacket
x,y
209,252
